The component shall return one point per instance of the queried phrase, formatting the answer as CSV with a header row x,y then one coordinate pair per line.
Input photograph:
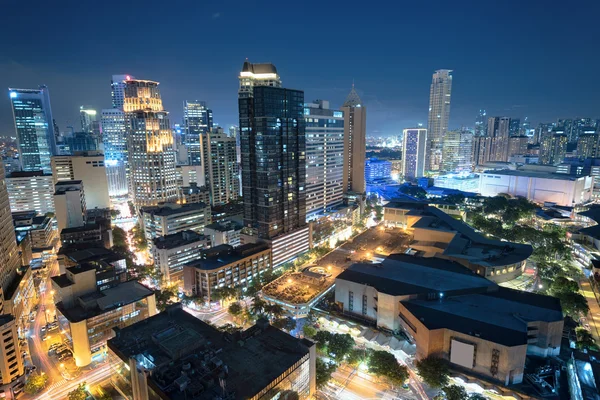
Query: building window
x,y
350,301
364,305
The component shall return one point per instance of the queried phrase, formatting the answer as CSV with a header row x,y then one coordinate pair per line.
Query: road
x,y
61,389
593,318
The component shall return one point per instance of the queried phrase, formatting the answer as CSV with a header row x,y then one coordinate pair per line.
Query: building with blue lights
x,y
197,120
413,153
115,151
377,170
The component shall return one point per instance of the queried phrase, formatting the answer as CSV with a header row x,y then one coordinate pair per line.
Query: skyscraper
x,y
117,86
34,127
324,158
515,127
481,123
499,134
355,143
221,167
439,114
87,116
9,254
413,153
252,75
115,151
197,120
588,146
151,151
457,151
553,148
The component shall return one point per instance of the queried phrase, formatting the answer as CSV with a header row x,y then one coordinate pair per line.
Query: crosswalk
x,y
57,384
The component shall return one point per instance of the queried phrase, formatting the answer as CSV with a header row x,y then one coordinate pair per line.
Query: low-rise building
x,y
172,252
69,203
194,194
176,356
92,233
224,232
450,312
225,266
90,300
12,370
30,191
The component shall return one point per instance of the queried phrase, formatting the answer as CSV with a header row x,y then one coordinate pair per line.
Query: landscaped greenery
x,y
35,383
434,371
382,363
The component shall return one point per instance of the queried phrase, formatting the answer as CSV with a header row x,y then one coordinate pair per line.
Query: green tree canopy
x,y
455,392
309,331
324,372
340,345
382,363
35,383
585,340
573,304
235,309
433,370
79,393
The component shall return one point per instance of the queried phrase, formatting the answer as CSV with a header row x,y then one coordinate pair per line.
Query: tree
x,y
79,393
382,363
339,345
573,304
119,237
562,285
164,297
455,392
585,340
289,395
114,214
477,396
433,370
235,309
35,383
309,331
324,371
322,339
258,305
414,191
274,310
287,323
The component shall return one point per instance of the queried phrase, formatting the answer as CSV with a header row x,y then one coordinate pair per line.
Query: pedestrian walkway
x,y
56,384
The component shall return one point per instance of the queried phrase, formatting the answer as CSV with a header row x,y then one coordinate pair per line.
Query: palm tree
x,y
275,310
258,305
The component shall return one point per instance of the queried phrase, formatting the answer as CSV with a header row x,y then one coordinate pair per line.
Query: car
x,y
43,329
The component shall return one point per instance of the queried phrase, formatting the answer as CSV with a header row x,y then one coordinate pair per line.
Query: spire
x,y
353,100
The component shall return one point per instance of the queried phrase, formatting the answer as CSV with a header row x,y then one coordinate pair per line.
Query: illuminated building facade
x,y
34,127
30,191
413,153
9,254
355,143
457,151
221,167
197,120
439,114
115,151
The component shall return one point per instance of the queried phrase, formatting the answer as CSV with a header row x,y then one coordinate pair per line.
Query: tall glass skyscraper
x,y
439,114
197,120
34,128
115,151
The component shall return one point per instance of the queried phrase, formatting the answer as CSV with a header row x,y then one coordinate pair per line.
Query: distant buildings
x,y
115,151
176,356
34,127
588,146
457,151
377,170
439,114
172,252
31,191
197,121
498,135
481,123
324,158
553,149
221,167
173,218
413,153
224,232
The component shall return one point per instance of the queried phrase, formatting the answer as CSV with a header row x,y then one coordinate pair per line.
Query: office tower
x,y
439,114
378,170
457,151
172,252
481,123
588,146
9,254
515,127
517,145
34,127
553,148
543,130
221,167
69,204
31,191
150,147
566,125
324,158
252,75
499,133
88,119
115,151
581,126
355,143
12,370
117,85
197,120
479,150
413,153
525,127
88,167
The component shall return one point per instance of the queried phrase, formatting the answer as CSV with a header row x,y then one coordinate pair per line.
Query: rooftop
x,y
224,254
92,254
260,68
175,341
177,239
534,174
224,226
27,174
173,209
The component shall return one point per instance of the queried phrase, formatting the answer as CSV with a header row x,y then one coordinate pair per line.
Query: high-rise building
x,y
515,127
581,126
499,134
566,125
378,170
221,167
553,148
413,153
34,127
117,85
88,167
69,204
517,145
115,151
525,127
355,143
31,191
12,371
252,75
151,151
197,121
324,158
9,254
457,151
481,123
88,119
588,146
543,130
439,114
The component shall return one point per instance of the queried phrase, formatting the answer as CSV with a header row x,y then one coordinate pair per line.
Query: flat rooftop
x,y
173,209
224,254
535,174
93,254
175,340
27,174
177,239
402,274
224,226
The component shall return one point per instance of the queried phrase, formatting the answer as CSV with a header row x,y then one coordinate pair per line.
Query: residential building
x,y
225,266
498,134
413,153
553,149
477,326
588,146
221,167
173,218
12,370
188,175
224,232
517,145
34,127
176,356
172,252
115,151
69,204
89,168
481,124
355,143
150,147
96,233
539,187
457,151
377,170
581,126
197,121
193,194
30,191
39,228
439,114
324,158
514,128
87,311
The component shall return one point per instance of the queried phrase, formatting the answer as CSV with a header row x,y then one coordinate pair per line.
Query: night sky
x,y
514,58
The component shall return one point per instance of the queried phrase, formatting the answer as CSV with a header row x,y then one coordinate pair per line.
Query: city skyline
x,y
495,82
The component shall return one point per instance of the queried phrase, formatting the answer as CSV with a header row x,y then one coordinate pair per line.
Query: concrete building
x,y
221,167
30,191
189,175
224,232
588,146
95,233
480,328
176,356
87,312
438,234
324,158
194,194
439,115
89,168
12,370
225,266
553,149
498,135
9,253
70,204
172,252
378,170
197,121
355,143
539,187
517,145
115,151
457,151
19,298
413,153
34,127
173,218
